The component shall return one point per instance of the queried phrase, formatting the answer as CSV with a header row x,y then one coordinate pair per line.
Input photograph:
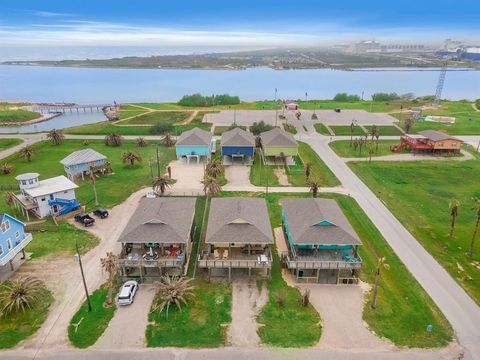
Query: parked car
x,y
84,219
101,213
338,110
127,293
151,195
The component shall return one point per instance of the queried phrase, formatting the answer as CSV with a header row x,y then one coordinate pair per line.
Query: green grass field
x,y
130,113
418,193
201,324
17,116
161,117
261,175
385,130
219,130
8,143
377,106
343,149
321,129
345,130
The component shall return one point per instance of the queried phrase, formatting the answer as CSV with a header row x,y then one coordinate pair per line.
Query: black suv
x,y
84,219
101,213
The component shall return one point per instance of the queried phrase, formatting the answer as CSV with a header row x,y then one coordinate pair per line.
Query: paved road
x,y
458,307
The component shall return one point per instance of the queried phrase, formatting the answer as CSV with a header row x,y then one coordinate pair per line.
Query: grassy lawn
x,y
345,130
17,116
261,175
343,149
129,113
377,106
290,128
219,130
200,206
385,130
321,129
404,309
162,117
156,106
92,323
19,326
418,193
201,324
8,143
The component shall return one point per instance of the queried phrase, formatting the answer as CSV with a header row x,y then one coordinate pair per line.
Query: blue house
x,y
237,144
322,245
195,143
13,239
78,163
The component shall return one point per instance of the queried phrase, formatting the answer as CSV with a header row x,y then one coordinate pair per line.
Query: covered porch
x,y
26,205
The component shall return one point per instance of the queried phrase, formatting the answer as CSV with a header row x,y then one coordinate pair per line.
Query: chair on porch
x,y
225,254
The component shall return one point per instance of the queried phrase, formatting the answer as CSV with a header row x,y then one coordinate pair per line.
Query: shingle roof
x,y
237,137
318,222
51,186
240,221
160,220
278,137
82,157
195,136
436,135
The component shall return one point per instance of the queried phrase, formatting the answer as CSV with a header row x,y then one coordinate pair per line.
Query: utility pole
x,y
158,163
79,259
275,95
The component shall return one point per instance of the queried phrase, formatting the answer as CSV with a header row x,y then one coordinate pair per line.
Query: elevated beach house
x,y
322,245
430,141
237,145
239,236
278,145
13,239
158,238
80,163
195,144
50,197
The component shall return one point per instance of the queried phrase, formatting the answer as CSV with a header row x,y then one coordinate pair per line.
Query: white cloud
x,y
49,14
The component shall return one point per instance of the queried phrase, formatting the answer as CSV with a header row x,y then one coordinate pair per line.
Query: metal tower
x,y
441,81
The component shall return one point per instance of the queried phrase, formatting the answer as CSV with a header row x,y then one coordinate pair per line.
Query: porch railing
x,y
162,262
316,263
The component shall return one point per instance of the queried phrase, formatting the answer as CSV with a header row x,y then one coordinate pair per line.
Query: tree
x,y
131,157
308,169
214,168
211,185
352,130
19,294
361,142
161,183
6,168
168,139
314,186
141,142
27,152
113,139
160,128
55,136
109,264
258,127
408,123
380,264
314,116
258,142
476,209
355,144
454,204
371,150
172,291
376,134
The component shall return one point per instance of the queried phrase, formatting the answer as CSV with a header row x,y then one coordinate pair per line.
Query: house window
x,y
65,192
17,234
24,182
9,244
440,144
43,199
5,225
30,182
454,144
51,196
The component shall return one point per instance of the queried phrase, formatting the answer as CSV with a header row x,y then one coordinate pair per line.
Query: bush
x,y
198,100
160,128
385,96
344,97
259,127
477,103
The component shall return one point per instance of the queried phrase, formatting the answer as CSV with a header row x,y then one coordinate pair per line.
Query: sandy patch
x,y
282,176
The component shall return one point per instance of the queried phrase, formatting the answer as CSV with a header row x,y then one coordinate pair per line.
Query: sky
x,y
210,25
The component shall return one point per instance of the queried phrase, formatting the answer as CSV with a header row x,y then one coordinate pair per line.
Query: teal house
x,y
195,144
322,244
13,239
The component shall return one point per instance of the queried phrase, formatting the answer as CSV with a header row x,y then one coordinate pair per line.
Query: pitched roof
x,y
237,137
160,220
82,157
239,221
436,135
2,216
318,222
51,186
278,137
195,136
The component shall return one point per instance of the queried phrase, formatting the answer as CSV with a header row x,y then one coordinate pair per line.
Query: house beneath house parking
x,y
429,141
81,163
239,237
195,144
278,145
50,197
237,145
13,239
158,238
322,245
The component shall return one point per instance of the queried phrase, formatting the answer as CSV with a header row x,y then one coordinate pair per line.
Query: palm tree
x,y
476,209
172,291
168,139
314,185
141,142
380,264
352,130
20,294
8,197
109,264
131,157
160,184
6,168
258,142
113,139
214,168
211,185
308,169
55,136
27,152
454,204
371,150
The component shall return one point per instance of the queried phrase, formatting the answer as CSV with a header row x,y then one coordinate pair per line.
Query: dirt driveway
x,y
127,328
188,176
237,175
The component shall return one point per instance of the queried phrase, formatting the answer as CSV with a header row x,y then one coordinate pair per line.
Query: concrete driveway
x,y
237,175
188,176
127,328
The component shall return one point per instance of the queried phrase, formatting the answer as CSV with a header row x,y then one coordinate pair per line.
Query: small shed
x,y
277,143
81,162
195,143
237,144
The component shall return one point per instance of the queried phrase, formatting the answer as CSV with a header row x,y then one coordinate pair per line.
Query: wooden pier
x,y
63,108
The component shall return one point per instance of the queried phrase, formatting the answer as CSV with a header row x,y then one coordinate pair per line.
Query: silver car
x,y
127,293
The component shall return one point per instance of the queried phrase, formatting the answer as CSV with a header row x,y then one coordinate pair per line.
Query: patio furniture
x,y
216,255
225,254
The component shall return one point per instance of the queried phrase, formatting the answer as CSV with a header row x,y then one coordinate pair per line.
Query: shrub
x,y
6,168
160,129
385,96
344,97
198,100
259,127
